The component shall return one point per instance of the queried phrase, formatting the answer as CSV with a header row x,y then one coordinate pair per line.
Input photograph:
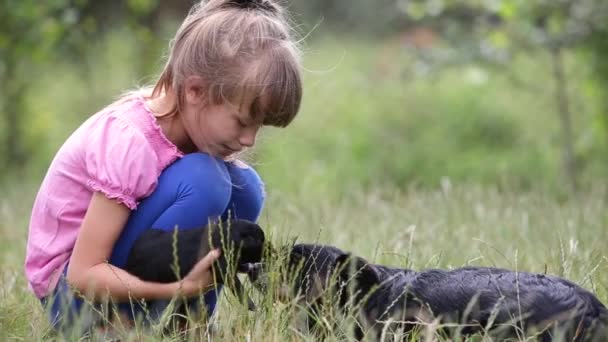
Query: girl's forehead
x,y
253,104
264,102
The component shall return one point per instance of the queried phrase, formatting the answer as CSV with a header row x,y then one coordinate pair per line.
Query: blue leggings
x,y
190,192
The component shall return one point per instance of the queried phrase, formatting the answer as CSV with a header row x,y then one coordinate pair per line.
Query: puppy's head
x,y
310,271
241,243
357,279
313,269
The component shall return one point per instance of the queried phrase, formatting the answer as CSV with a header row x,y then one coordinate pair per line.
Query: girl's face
x,y
220,130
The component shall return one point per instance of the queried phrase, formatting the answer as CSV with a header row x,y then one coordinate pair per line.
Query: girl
x,y
163,158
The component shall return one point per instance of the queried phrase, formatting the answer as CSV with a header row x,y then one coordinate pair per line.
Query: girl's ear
x,y
194,90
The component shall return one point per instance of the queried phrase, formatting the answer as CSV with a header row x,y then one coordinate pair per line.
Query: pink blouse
x,y
120,151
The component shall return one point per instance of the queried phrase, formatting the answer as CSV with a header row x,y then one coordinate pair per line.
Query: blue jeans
x,y
190,192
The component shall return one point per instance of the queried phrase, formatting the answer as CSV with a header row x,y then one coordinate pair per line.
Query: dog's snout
x,y
246,267
253,270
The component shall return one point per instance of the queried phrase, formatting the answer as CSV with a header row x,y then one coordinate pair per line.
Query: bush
x,y
359,127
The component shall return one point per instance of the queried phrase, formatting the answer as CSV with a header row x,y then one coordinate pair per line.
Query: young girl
x,y
163,158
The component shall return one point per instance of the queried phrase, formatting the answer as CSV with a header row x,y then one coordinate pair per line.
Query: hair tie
x,y
263,5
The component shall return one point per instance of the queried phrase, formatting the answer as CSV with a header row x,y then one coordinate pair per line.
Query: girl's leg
x,y
246,202
67,313
191,191
248,193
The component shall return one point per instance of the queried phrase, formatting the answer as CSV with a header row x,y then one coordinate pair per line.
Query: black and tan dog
x,y
166,256
496,302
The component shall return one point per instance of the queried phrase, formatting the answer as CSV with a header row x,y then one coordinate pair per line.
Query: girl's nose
x,y
248,136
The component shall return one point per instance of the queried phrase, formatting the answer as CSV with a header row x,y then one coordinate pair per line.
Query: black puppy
x,y
166,256
502,303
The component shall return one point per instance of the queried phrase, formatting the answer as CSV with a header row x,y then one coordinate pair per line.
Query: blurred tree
x,y
360,16
495,31
35,34
598,50
29,32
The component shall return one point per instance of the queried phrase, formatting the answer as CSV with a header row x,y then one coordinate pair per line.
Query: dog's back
x,y
480,297
501,302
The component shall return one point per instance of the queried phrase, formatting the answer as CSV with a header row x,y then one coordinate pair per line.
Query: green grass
x,y
366,120
448,227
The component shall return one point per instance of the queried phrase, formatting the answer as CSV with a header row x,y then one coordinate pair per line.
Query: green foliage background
x,y
375,110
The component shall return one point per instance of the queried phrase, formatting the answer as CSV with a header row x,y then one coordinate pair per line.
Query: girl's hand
x,y
200,278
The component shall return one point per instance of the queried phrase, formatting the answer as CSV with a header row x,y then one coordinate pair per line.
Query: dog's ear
x,y
357,275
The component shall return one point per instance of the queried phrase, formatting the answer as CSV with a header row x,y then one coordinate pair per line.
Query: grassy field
x,y
450,227
416,172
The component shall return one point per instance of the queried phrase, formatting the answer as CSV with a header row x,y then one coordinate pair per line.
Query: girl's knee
x,y
190,191
192,166
248,192
201,172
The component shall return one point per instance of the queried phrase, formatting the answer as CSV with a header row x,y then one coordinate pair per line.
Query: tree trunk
x,y
12,111
565,118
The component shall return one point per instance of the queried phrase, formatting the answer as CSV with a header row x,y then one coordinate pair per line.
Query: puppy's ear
x,y
357,274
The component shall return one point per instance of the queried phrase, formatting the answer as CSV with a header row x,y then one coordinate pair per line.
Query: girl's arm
x,y
91,274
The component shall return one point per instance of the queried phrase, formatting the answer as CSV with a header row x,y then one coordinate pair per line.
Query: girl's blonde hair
x,y
241,49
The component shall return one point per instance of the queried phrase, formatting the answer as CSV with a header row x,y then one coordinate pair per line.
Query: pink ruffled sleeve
x,y
120,162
